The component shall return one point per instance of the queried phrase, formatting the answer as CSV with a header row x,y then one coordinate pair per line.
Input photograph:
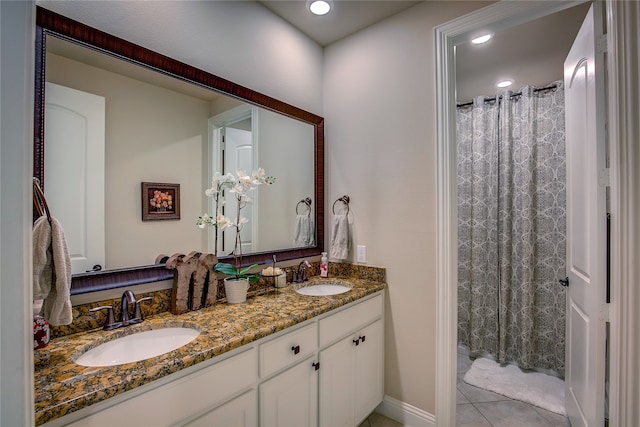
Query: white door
x,y
586,226
238,154
74,171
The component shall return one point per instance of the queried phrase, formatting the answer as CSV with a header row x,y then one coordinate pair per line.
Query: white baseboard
x,y
405,414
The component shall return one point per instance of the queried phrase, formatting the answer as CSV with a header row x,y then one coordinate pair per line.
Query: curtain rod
x,y
550,87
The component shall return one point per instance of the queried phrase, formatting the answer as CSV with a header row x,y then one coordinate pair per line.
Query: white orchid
x,y
238,189
219,183
259,176
223,222
238,186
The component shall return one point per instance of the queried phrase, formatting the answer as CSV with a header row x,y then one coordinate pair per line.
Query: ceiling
x,y
529,54
346,17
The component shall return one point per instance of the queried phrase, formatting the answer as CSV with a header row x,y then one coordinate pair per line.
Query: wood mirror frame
x,y
51,23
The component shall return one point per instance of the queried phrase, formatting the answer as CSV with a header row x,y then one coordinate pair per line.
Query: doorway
x,y
511,202
233,145
493,18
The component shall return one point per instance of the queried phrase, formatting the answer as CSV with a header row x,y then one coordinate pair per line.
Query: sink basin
x,y
323,289
139,346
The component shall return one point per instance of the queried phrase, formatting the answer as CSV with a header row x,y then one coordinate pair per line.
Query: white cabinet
x,y
291,397
351,377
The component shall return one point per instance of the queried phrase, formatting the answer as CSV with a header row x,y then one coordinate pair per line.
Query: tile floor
x,y
477,407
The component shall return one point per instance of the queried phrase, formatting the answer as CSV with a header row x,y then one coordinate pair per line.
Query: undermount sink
x,y
138,346
320,289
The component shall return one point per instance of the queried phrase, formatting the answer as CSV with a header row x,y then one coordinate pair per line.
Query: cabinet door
x,y
336,385
291,398
239,412
369,371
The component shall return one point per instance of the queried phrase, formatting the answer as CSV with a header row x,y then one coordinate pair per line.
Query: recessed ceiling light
x,y
504,83
320,7
481,39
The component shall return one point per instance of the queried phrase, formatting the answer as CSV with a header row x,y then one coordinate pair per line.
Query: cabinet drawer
x,y
287,349
343,323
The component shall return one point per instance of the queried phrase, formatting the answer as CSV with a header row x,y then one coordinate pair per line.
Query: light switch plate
x,y
361,253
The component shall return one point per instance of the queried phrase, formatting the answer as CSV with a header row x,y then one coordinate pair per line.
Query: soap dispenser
x,y
324,265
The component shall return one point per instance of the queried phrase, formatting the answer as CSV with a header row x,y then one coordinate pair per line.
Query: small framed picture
x,y
160,201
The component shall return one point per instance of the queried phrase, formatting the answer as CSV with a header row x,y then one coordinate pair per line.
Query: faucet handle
x,y
137,314
110,324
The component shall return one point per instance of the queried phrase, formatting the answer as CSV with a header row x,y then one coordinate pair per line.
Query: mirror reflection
x,y
112,125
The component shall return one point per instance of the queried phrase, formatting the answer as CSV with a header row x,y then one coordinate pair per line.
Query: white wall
x,y
16,169
380,125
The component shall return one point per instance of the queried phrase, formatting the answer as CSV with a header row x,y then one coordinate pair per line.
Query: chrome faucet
x,y
301,274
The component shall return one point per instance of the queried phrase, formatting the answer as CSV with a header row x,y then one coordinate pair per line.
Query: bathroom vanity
x,y
280,359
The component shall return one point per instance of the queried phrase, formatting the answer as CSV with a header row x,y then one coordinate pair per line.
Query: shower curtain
x,y
511,228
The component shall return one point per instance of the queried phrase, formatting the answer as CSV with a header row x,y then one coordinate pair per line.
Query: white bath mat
x,y
542,390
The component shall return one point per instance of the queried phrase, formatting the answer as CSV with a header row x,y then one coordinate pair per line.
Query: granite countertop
x,y
62,386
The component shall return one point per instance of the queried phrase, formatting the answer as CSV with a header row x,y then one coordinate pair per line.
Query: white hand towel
x,y
42,258
52,271
304,233
340,238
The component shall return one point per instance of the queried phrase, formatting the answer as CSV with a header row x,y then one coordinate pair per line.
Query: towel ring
x,y
39,201
344,199
306,201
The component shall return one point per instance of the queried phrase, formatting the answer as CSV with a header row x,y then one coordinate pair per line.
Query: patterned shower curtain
x,y
511,228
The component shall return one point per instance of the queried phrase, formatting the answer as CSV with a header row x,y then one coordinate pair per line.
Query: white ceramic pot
x,y
236,290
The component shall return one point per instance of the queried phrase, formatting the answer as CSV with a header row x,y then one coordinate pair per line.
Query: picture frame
x,y
160,201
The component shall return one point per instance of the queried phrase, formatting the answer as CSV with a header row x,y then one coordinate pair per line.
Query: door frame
x,y
498,16
216,124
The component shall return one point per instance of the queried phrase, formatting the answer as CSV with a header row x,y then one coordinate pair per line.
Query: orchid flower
x,y
223,222
239,186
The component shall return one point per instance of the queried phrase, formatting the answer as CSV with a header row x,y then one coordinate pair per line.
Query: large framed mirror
x,y
161,121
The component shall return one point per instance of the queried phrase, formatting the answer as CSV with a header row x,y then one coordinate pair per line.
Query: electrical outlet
x,y
361,253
